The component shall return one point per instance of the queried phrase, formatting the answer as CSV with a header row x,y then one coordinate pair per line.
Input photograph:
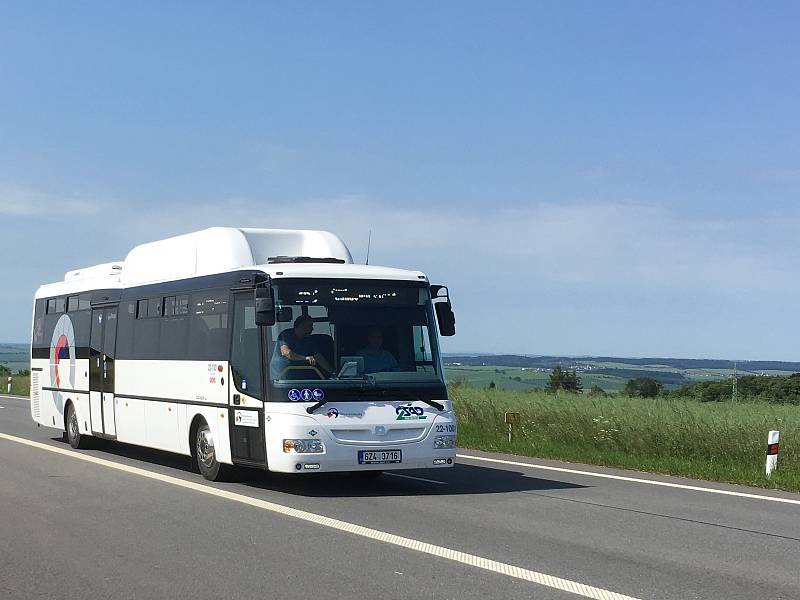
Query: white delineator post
x,y
772,451
9,384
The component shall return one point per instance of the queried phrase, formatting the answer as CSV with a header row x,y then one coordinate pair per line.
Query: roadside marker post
x,y
512,418
772,451
9,384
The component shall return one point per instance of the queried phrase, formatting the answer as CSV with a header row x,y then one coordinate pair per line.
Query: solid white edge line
x,y
471,560
682,486
413,477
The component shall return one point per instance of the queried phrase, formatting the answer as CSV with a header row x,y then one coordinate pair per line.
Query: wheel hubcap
x,y
205,447
73,425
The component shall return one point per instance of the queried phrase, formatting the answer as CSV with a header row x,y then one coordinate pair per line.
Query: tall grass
x,y
719,441
20,385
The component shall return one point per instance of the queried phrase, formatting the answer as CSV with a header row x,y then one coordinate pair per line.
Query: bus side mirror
x,y
265,307
444,310
446,318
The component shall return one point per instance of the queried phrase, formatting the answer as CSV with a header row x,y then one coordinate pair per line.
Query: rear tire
x,y
206,456
74,436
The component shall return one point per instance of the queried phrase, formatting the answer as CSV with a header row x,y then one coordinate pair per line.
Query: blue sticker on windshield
x,y
307,395
294,395
318,394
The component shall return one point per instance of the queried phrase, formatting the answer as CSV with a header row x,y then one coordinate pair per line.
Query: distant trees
x,y
769,388
644,387
564,380
596,390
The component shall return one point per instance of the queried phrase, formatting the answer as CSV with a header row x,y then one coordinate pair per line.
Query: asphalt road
x,y
72,528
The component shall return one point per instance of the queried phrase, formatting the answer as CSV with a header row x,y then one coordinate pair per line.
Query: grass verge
x,y
20,386
716,441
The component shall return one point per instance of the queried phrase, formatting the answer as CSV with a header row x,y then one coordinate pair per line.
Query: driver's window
x,y
423,356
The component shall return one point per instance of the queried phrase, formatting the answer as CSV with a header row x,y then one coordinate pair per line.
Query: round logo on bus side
x,y
62,358
294,395
318,394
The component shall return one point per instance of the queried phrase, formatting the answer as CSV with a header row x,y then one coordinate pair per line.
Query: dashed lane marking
x,y
472,560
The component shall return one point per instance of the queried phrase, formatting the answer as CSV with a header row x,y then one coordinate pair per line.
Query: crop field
x,y
720,441
610,374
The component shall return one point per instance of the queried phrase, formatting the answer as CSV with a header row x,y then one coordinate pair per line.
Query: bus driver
x,y
295,347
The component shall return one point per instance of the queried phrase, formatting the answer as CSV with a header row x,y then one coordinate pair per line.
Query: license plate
x,y
379,457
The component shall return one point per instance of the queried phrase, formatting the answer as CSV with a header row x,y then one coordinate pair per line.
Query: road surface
x,y
124,522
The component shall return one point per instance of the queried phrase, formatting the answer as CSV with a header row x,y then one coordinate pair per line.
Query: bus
x,y
263,348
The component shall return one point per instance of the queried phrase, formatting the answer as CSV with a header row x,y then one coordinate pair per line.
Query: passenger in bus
x,y
376,357
296,348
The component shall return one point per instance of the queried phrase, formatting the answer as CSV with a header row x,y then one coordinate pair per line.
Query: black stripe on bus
x,y
170,400
66,390
44,352
36,369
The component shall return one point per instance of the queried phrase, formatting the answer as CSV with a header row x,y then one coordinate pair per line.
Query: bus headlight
x,y
442,442
303,446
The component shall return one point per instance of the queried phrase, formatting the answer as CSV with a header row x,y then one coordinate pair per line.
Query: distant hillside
x,y
15,357
548,362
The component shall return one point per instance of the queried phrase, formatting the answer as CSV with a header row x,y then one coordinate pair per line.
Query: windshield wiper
x,y
438,406
310,410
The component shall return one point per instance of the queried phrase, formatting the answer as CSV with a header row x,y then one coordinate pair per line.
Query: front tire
x,y
206,456
74,436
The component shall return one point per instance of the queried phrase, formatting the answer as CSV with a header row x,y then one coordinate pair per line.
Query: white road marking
x,y
682,486
471,560
417,478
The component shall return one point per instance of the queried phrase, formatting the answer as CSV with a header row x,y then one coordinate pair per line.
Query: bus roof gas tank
x,y
220,249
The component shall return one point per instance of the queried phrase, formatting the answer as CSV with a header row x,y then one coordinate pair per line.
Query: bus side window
x,y
245,356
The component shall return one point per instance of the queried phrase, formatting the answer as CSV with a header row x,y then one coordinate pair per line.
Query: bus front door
x,y
102,349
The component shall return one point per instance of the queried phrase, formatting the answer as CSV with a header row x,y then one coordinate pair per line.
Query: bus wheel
x,y
74,437
206,456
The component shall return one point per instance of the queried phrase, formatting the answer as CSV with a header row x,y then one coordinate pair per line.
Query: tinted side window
x,y
51,306
182,305
141,309
72,303
174,338
61,305
154,307
110,333
208,325
127,320
169,306
245,354
38,323
145,339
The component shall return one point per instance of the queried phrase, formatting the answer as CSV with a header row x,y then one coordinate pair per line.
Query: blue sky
x,y
590,178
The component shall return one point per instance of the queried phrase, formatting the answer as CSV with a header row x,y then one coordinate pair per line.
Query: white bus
x,y
258,347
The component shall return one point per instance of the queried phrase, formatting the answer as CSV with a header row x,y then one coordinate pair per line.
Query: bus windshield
x,y
345,332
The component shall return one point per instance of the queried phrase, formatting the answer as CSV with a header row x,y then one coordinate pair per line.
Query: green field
x,y
507,372
713,441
